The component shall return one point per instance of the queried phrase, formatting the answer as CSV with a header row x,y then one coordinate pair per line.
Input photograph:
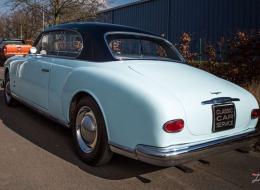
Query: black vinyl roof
x,y
97,27
94,44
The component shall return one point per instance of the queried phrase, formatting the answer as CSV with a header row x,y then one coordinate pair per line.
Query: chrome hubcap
x,y
86,129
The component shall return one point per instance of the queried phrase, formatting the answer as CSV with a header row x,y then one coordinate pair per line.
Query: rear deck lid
x,y
192,87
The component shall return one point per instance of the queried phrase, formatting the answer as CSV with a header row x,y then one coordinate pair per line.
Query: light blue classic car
x,y
127,91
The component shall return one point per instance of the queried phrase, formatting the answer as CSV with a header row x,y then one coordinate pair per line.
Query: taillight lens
x,y
5,49
174,126
255,113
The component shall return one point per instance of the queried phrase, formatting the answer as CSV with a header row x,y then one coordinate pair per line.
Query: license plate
x,y
224,117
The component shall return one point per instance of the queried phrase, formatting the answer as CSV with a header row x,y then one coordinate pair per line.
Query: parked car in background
x,y
12,47
127,91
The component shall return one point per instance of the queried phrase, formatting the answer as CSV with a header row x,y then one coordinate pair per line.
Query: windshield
x,y
134,46
13,42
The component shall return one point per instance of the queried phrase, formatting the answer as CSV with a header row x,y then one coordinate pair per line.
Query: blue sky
x,y
120,2
112,3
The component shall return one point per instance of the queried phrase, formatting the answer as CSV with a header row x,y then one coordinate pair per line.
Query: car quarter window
x,y
60,44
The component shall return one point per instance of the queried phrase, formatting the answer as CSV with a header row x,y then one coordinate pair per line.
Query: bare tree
x,y
26,18
4,27
23,23
58,11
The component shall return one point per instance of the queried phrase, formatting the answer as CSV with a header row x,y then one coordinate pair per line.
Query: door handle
x,y
45,70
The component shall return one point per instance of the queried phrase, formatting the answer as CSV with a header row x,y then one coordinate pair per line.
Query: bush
x,y
242,63
184,47
239,61
211,53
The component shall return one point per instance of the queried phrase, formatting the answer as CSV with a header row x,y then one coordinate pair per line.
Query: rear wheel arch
x,y
79,95
100,153
74,101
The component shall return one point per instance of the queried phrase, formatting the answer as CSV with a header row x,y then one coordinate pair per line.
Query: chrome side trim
x,y
220,100
45,114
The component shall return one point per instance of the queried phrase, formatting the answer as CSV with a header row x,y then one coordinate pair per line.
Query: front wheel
x,y
9,100
89,133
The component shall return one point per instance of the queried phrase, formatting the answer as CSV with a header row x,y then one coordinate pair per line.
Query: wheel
x,y
9,100
89,133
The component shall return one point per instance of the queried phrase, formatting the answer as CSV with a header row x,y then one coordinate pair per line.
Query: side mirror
x,y
33,50
43,52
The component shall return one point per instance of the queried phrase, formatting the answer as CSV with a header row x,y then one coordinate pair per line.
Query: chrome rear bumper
x,y
172,155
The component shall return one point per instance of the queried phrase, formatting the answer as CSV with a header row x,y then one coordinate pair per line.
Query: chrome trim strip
x,y
144,35
220,100
45,114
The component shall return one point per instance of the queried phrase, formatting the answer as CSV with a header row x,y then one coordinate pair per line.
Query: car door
x,y
33,81
34,73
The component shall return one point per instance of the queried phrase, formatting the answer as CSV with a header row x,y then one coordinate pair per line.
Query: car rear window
x,y
135,46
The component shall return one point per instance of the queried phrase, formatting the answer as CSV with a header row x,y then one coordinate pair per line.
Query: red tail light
x,y
174,126
255,113
5,49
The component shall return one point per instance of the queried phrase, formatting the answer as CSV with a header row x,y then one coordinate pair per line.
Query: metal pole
x,y
43,16
21,31
21,28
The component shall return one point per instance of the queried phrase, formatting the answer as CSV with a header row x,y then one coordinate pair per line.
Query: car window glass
x,y
71,44
127,46
49,43
152,49
60,43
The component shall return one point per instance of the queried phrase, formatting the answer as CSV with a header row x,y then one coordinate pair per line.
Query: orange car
x,y
11,47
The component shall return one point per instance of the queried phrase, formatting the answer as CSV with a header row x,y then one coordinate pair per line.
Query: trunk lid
x,y
191,87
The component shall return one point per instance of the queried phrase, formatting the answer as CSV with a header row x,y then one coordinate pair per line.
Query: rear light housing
x,y
255,113
174,126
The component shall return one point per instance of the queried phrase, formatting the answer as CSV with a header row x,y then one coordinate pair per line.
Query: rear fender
x,y
133,109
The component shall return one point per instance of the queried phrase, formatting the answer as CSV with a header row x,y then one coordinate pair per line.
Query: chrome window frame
x,y
143,35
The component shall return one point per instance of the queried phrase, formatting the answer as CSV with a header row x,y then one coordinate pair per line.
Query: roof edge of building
x,y
123,6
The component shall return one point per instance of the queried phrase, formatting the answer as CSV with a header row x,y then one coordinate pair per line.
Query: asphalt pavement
x,y
36,153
